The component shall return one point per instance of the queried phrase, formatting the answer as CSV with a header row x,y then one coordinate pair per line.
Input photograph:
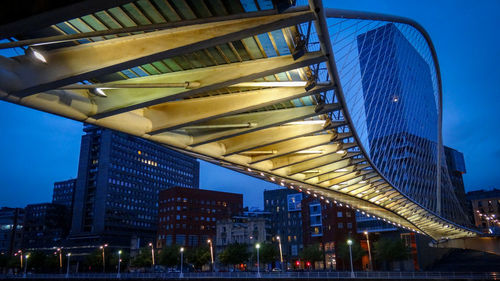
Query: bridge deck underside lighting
x,y
228,83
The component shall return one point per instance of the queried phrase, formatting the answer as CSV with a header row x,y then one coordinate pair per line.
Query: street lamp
x,y
257,246
25,265
211,254
182,261
281,251
119,263
369,250
20,252
67,266
349,242
103,259
152,254
60,259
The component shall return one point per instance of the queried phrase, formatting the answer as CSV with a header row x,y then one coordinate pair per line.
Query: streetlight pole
x,y
349,242
152,254
25,265
119,263
257,246
182,261
59,250
103,259
211,254
21,257
67,266
281,252
369,251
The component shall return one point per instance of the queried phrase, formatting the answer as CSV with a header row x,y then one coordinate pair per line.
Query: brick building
x,y
188,216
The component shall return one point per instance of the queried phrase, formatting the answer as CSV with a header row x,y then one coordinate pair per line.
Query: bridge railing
x,y
270,275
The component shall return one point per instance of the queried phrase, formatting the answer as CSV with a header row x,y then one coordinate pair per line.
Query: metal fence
x,y
273,275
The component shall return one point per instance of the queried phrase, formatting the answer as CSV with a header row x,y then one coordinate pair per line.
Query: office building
x,y
285,219
119,179
11,229
45,225
327,225
64,193
188,216
402,130
455,163
486,209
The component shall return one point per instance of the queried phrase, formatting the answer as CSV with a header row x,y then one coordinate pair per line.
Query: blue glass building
x,y
400,105
401,112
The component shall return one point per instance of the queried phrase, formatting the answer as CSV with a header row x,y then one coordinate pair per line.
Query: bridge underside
x,y
231,86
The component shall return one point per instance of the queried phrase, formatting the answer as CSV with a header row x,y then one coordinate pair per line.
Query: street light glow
x,y
182,249
349,242
257,245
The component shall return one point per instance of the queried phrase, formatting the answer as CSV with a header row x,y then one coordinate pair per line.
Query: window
x,y
339,214
349,225
180,239
340,225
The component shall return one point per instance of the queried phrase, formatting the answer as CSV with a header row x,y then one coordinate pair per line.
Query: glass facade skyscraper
x,y
119,179
400,105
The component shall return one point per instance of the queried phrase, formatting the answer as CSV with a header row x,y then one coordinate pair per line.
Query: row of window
x,y
185,208
195,201
185,226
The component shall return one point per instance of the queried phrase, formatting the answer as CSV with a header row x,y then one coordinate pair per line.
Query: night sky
x,y
37,148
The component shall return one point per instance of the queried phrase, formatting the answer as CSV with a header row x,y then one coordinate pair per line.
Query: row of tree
x,y
384,252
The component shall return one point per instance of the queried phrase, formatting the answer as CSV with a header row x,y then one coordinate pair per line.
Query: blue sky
x,y
37,148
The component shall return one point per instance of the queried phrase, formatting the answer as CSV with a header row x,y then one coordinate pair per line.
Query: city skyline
x,y
56,141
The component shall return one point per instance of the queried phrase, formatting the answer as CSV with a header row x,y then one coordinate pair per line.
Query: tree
x,y
357,251
113,260
36,261
93,262
142,259
170,256
268,253
312,253
6,261
198,256
390,250
234,254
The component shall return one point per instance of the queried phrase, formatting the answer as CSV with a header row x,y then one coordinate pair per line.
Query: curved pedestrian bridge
x,y
290,95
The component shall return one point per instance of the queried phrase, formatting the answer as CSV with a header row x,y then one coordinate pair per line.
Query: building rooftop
x,y
483,194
